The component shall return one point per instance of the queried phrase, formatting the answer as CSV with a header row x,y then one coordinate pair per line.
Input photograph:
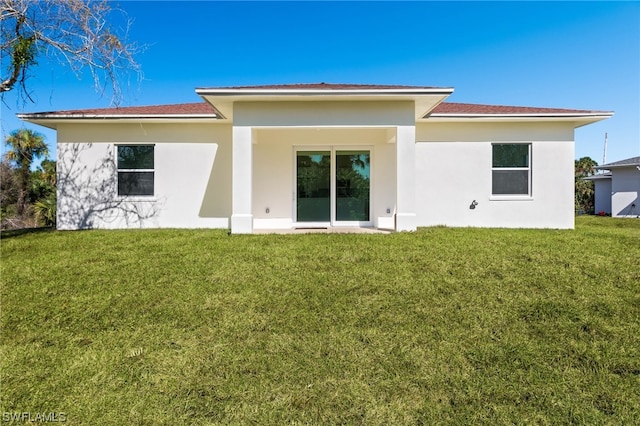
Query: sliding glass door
x,y
352,177
313,186
333,187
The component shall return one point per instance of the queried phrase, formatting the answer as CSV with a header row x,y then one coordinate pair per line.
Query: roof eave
x,y
580,119
52,121
425,99
598,177
110,116
619,166
203,91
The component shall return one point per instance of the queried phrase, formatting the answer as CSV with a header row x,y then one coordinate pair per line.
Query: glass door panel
x,y
313,186
352,177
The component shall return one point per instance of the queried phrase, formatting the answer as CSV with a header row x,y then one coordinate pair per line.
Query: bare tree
x,y
81,34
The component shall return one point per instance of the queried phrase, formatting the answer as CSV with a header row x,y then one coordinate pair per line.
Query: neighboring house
x,y
316,155
617,190
602,193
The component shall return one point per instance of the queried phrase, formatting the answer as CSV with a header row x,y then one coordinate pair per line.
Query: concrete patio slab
x,y
328,230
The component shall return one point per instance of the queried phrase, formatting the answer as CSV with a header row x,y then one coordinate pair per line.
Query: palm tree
x,y
584,189
26,145
48,168
585,167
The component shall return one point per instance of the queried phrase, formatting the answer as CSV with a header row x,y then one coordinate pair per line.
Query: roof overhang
x,y
222,99
621,166
605,176
578,119
53,120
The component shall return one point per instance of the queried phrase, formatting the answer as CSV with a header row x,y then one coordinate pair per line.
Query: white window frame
x,y
333,149
511,197
150,197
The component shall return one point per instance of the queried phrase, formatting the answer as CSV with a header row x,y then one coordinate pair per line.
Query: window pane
x,y
135,183
135,157
313,170
352,185
510,155
511,182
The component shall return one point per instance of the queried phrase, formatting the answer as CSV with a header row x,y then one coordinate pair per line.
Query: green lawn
x,y
445,325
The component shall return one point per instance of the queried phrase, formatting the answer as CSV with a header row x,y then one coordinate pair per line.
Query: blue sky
x,y
583,55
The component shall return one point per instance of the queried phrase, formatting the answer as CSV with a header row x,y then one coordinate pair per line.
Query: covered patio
x,y
296,150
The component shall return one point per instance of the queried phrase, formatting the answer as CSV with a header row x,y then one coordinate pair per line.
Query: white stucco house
x,y
617,189
316,155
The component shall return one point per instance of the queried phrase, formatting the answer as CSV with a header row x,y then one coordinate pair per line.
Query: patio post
x,y
405,181
242,179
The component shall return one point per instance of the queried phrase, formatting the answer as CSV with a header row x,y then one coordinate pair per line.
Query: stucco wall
x,y
323,113
192,176
193,169
625,190
494,131
453,168
602,189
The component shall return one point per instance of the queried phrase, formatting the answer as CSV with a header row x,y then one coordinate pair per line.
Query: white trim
x,y
323,92
294,185
52,121
431,117
510,198
361,223
519,115
136,198
529,168
619,166
578,120
37,116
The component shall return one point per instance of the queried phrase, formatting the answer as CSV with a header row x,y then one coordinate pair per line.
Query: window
x,y
511,169
135,170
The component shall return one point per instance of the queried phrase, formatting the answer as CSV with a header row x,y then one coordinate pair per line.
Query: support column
x,y
242,181
406,178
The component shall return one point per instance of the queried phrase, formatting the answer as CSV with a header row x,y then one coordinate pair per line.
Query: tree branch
x,y
77,33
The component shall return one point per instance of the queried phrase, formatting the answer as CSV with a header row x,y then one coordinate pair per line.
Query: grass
x,y
442,326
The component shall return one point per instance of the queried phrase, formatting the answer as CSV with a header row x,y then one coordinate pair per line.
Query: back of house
x,y
316,155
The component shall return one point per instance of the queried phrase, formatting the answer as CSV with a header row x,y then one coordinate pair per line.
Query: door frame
x,y
332,149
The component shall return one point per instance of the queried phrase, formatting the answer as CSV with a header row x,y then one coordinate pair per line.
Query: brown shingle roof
x,y
196,108
455,108
633,161
205,109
